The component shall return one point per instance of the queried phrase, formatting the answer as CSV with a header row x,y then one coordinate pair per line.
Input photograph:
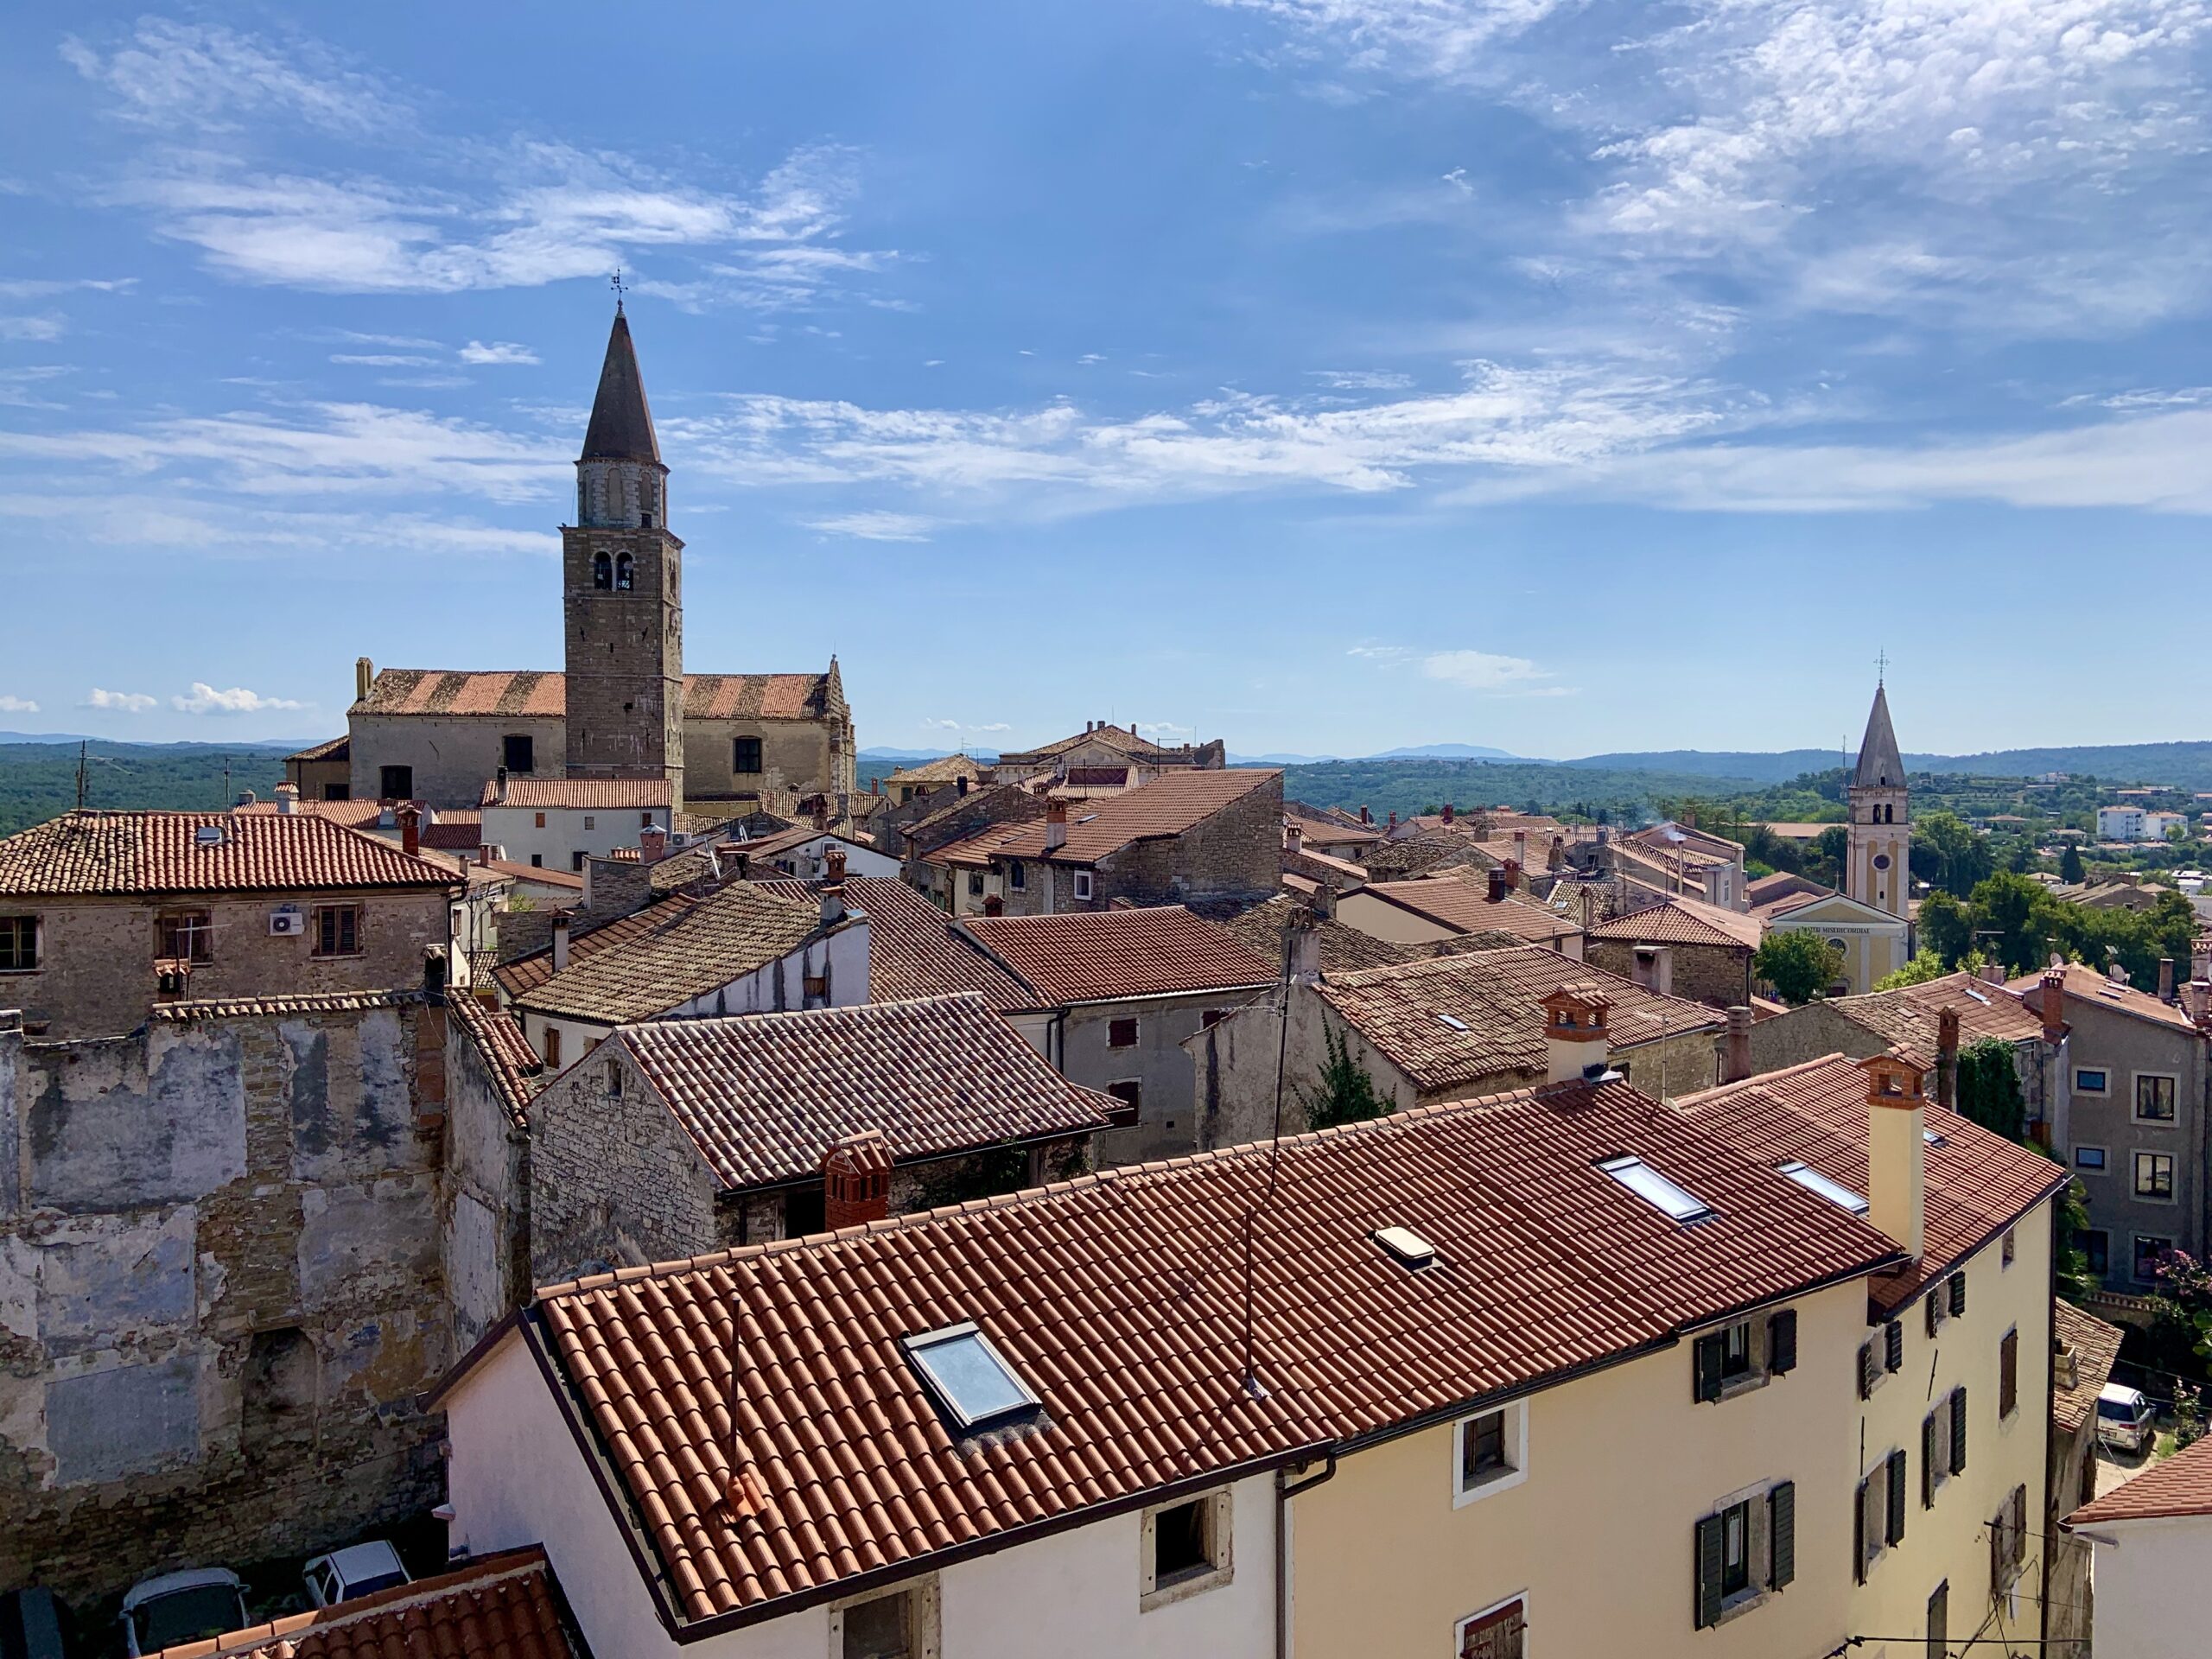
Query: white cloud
x,y
129,703
1447,40
930,724
381,359
171,74
1470,670
1362,379
205,699
33,288
45,326
498,351
15,705
876,526
1162,731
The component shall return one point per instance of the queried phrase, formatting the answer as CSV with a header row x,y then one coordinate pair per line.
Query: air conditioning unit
x,y
287,921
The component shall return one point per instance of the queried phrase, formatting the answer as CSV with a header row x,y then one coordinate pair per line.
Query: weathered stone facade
x,y
1717,975
1234,853
448,758
220,1287
96,977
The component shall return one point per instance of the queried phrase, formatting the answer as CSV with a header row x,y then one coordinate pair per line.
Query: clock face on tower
x,y
1881,860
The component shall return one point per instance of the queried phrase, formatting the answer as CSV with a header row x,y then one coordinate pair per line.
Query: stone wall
x,y
454,756
806,755
624,655
483,1208
1719,975
1167,1124
96,972
220,1291
1235,852
1810,1032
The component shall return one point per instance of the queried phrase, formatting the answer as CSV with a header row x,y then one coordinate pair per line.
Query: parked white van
x,y
2127,1420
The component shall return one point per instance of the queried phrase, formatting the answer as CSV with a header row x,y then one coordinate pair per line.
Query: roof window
x,y
1933,1138
1406,1245
966,1375
1450,1020
1977,996
208,835
1834,1192
1655,1189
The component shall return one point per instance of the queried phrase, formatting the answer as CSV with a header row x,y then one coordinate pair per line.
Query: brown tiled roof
x,y
1694,849
513,1067
914,948
1495,995
1118,1299
453,832
767,847
449,829
1782,884
1344,950
1463,904
526,973
533,692
1684,921
333,748
1800,831
684,952
2086,984
945,769
1978,1184
502,1606
538,873
2180,1485
1105,956
353,815
1166,806
1317,823
2095,1345
185,1010
764,1095
610,793
1114,737
1909,1017
130,852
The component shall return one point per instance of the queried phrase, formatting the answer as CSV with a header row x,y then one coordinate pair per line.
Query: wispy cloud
x,y
498,352
43,326
876,526
10,704
1488,672
205,699
934,725
40,288
127,703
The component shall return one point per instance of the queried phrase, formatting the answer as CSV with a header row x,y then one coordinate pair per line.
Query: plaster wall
x,y
568,831
2149,1587
452,756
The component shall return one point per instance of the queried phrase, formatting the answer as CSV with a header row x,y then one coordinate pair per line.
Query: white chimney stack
x,y
1896,1148
1575,1039
288,798
1056,825
561,920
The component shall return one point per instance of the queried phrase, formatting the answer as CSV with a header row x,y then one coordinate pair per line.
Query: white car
x,y
2126,1421
360,1570
177,1607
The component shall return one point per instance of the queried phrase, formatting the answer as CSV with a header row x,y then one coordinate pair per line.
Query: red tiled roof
x,y
527,973
185,1011
764,1095
1113,737
1909,1017
1104,955
1978,1184
1118,1299
502,1606
782,840
1495,994
610,793
1344,950
1463,905
332,748
2095,1345
914,948
130,852
509,1061
683,952
538,873
353,815
1168,805
2086,984
531,693
2180,1485
1684,921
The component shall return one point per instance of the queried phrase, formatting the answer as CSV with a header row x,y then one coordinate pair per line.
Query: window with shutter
x,y
1935,1456
2008,1374
1708,1572
1500,1633
1894,1485
1935,1313
1781,1534
1708,1354
1782,1342
1871,1374
1939,1622
1858,1533
1893,1336
1958,1431
1874,1515
1958,1294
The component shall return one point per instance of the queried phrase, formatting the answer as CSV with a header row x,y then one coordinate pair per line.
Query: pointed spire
x,y
621,426
1880,766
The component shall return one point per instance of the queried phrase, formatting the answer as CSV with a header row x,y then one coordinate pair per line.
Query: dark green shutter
x,y
1782,1533
1867,1363
1934,1310
1709,1353
1782,1342
1895,1335
1859,1534
1708,1572
1958,1294
1927,1461
1958,1431
1896,1479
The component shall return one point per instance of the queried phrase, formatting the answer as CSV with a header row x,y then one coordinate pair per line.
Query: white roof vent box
x,y
208,835
1405,1246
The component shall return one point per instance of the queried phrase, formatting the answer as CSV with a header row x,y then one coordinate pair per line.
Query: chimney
x,y
1896,1150
562,920
2065,1365
821,812
1392,825
1556,859
1521,849
500,785
2167,979
1736,1052
2054,1005
832,887
1495,894
1575,1042
1513,867
410,827
1993,973
247,797
993,905
653,844
483,852
1056,825
1366,817
1655,969
961,784
2196,1001
1946,1059
1325,901
288,798
365,676
1447,811
856,1180
1294,840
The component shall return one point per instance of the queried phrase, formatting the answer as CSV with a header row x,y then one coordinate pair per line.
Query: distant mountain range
x,y
282,746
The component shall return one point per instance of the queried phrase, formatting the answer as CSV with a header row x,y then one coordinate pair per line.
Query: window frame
x,y
386,775
1114,1032
198,935
1220,1518
528,751
1017,876
2136,1241
1514,1446
738,749
2102,1166
2103,1235
925,1619
1758,1501
2173,1097
2135,1158
19,926
315,951
1135,1085
1083,885
1461,1626
2102,1073
2008,1375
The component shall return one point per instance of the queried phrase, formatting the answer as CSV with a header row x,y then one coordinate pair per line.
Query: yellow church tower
x,y
1877,871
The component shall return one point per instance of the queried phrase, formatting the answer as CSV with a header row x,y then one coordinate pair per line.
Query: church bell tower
x,y
622,582
1878,864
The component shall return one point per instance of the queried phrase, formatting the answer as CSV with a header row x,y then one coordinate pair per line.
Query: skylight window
x,y
1655,1189
1834,1192
966,1375
1977,996
1933,1138
1406,1245
1454,1023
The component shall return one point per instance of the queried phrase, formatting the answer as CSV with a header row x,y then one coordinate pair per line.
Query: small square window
x,y
1212,1018
2090,1081
615,1078
1083,884
541,820
188,935
590,823
1130,1093
1499,1632
1017,878
745,754
338,931
519,753
2090,1158
902,1625
1186,1550
1122,1033
537,861
974,884
18,944
1490,1453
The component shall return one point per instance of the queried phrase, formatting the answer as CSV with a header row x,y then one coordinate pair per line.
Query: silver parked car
x,y
188,1606
2127,1420
359,1570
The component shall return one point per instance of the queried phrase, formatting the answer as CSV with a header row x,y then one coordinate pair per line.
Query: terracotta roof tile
x,y
1684,921
2086,984
612,794
1113,737
681,953
2095,1345
128,853
765,1096
509,1061
945,769
1978,1184
1344,950
526,973
503,1607
333,748
914,948
1463,903
544,876
543,694
1104,955
1494,996
1909,1017
1117,1298
1168,805
185,1010
756,696
2180,1485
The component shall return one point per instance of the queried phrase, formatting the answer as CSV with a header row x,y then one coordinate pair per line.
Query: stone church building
x,y
623,707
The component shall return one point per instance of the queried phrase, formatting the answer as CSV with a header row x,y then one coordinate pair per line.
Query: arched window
x,y
602,571
625,572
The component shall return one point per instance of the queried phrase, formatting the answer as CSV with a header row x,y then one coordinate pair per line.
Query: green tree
x,y
1989,1089
2069,866
1344,1093
2181,1315
1924,966
2070,1222
1825,857
1948,853
1946,929
1799,965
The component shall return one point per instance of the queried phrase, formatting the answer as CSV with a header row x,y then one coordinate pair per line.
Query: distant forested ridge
x,y
2169,766
38,781
1408,786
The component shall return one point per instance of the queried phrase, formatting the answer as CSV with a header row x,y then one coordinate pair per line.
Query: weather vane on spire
x,y
616,283
1881,662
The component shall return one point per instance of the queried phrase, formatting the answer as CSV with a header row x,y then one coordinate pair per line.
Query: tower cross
x,y
617,284
1881,662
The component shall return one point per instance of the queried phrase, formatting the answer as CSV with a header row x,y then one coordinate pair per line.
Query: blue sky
x,y
1323,374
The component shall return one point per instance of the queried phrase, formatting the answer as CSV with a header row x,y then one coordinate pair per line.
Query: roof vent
x,y
1406,1245
208,835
